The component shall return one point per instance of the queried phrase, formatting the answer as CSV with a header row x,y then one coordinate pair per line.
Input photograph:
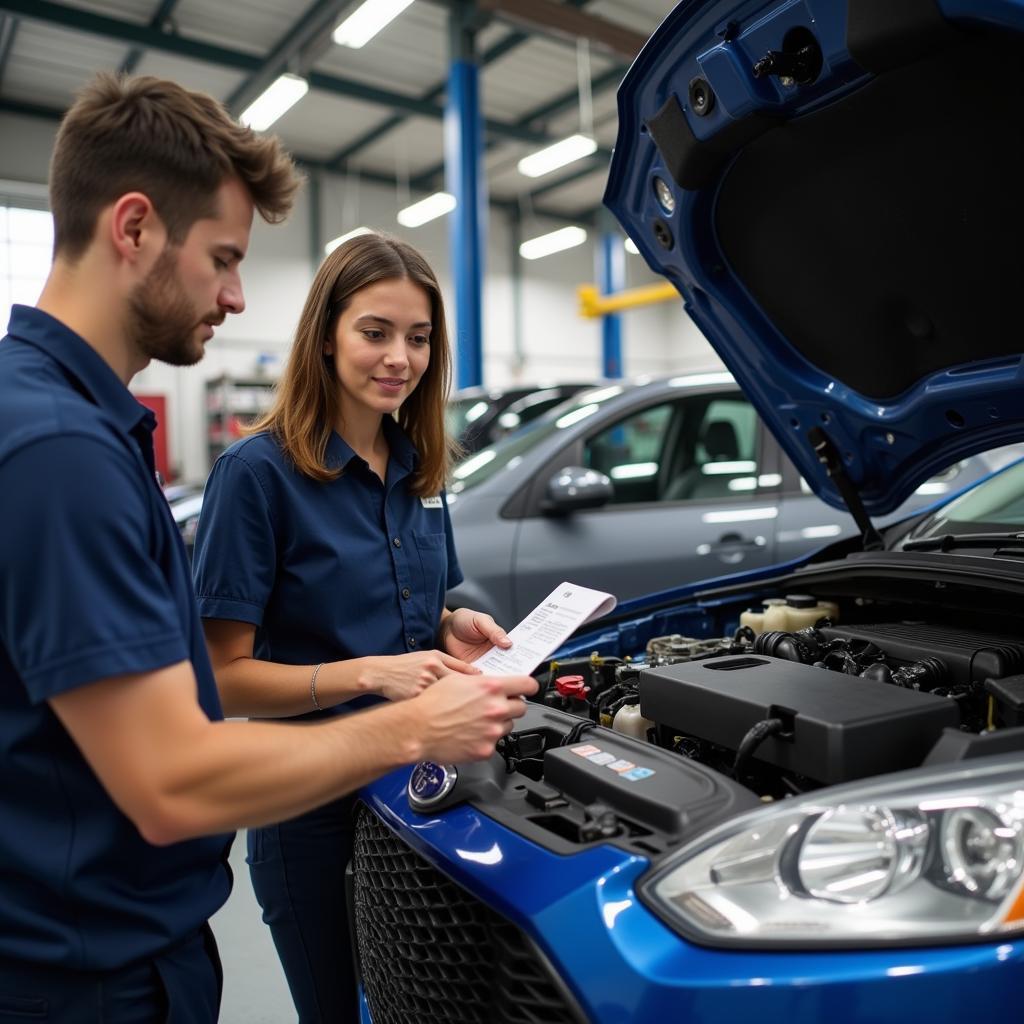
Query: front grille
x,y
431,952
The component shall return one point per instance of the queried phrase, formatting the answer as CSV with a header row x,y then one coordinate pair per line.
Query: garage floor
x,y
255,991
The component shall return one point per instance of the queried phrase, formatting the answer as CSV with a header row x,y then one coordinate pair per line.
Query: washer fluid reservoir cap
x,y
801,601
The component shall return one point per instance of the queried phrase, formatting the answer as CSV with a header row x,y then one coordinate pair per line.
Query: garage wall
x,y
556,342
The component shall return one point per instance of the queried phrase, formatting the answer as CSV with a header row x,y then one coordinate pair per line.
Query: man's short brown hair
x,y
175,146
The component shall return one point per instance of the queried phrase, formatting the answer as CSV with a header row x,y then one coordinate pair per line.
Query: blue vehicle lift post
x,y
611,276
463,154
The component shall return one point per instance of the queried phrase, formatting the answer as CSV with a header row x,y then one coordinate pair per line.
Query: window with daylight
x,y
26,248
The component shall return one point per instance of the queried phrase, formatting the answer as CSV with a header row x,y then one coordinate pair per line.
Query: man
x,y
118,777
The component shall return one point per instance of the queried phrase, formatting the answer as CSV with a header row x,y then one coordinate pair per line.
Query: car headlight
x,y
922,858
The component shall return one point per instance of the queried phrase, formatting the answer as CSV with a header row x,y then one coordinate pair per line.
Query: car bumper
x,y
618,962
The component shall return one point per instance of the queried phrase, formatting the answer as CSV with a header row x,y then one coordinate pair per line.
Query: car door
x,y
689,503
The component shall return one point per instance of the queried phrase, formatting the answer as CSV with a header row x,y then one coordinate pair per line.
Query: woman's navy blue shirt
x,y
325,571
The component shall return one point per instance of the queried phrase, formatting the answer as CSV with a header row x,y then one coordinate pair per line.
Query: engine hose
x,y
614,694
574,734
805,645
755,736
630,698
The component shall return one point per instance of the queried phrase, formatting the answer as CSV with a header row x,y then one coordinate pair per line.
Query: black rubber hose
x,y
755,736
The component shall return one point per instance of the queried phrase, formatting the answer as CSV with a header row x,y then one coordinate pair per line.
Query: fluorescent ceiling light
x,y
367,20
631,246
554,241
552,157
354,233
274,101
427,209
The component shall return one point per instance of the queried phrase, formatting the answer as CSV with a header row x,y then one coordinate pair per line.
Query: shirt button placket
x,y
410,640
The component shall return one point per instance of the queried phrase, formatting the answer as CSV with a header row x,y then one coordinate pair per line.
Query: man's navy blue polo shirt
x,y
325,571
94,582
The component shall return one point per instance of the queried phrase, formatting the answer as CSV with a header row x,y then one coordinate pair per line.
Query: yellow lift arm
x,y
594,304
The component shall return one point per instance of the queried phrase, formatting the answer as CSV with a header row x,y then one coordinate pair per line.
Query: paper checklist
x,y
545,629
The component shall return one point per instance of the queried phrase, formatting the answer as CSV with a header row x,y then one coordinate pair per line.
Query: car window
x,y
630,452
508,452
702,448
459,413
524,411
715,453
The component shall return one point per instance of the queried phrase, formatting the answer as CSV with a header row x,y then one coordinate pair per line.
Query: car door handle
x,y
732,544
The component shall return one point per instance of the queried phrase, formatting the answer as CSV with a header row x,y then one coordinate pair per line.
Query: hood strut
x,y
828,456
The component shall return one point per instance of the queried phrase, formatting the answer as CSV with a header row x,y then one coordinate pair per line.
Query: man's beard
x,y
161,321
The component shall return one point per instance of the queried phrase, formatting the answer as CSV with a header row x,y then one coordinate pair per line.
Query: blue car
x,y
794,795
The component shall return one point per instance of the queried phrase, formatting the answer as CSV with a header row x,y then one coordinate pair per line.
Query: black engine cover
x,y
840,727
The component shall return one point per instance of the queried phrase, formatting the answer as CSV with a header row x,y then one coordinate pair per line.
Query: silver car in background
x,y
634,487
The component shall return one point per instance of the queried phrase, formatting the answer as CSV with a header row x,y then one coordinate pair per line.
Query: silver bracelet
x,y
312,687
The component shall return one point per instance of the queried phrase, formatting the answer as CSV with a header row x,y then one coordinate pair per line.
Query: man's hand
x,y
464,716
401,676
468,635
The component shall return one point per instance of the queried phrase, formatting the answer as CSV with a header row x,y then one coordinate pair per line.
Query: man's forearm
x,y
245,774
176,774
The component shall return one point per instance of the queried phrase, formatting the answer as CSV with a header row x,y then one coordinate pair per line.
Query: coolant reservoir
x,y
629,721
797,611
755,619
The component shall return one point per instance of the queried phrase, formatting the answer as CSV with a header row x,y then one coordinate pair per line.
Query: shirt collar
x,y
402,451
82,362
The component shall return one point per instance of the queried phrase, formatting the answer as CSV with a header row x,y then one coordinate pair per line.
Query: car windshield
x,y
994,506
507,452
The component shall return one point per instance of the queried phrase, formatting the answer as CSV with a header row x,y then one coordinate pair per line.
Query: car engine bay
x,y
648,751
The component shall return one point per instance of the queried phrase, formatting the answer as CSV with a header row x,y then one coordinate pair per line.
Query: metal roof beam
x,y
489,56
24,109
563,21
8,106
593,164
8,30
160,21
499,49
113,28
310,29
560,104
425,179
47,12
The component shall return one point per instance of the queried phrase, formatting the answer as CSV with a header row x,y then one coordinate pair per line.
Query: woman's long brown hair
x,y
305,408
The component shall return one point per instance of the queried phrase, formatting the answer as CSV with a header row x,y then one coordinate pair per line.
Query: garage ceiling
x,y
374,112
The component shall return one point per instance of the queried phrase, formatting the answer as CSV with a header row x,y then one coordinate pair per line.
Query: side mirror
x,y
574,487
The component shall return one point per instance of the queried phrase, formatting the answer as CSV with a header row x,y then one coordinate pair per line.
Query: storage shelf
x,y
231,404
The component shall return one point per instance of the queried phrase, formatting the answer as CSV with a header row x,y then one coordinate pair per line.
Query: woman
x,y
322,559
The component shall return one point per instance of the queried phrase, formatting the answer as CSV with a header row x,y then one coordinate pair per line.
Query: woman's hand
x,y
468,634
401,676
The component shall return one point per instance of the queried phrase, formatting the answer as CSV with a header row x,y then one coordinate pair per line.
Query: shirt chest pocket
x,y
432,559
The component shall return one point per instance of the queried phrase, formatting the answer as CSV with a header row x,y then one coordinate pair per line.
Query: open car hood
x,y
846,224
